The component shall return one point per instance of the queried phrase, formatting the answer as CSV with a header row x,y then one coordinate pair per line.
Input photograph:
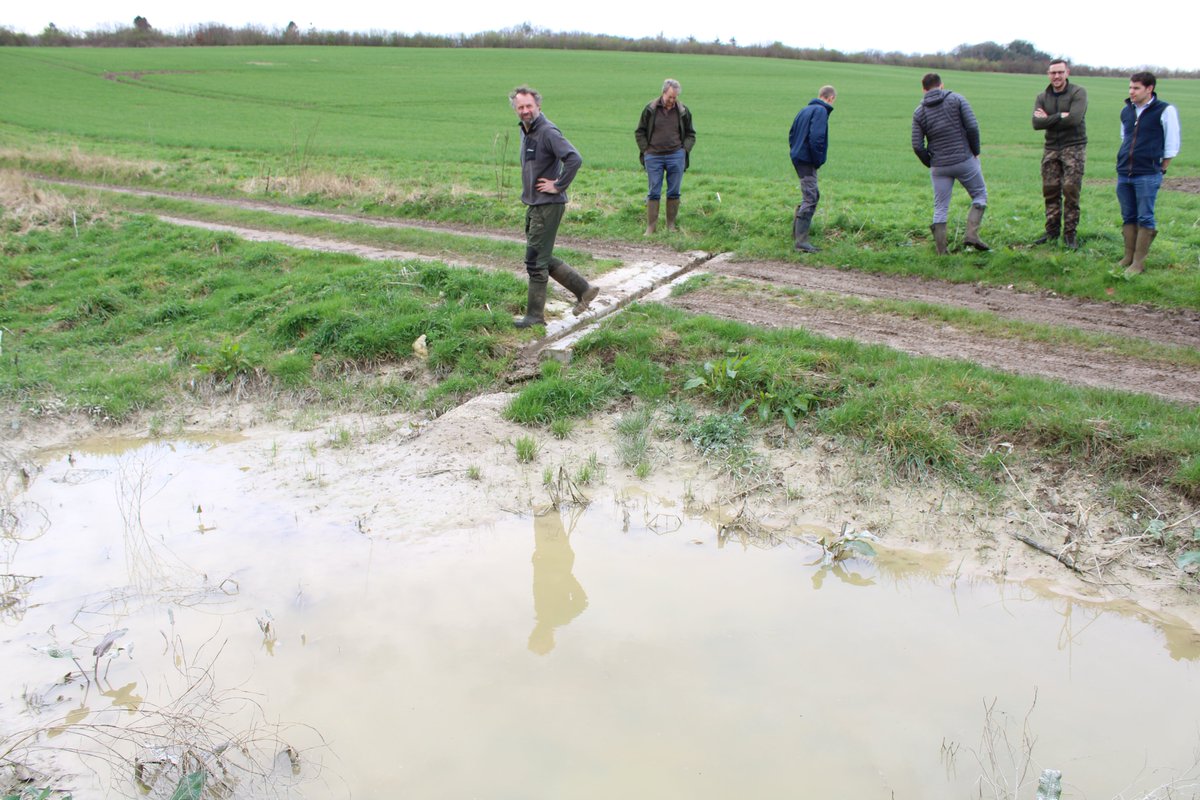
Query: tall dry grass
x,y
24,206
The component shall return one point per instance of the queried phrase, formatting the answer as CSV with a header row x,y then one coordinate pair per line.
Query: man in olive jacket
x,y
548,165
665,138
1059,111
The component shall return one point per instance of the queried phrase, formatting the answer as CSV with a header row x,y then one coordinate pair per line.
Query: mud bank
x,y
403,593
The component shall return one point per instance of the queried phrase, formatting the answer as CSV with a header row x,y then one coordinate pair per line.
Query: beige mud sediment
x,y
401,476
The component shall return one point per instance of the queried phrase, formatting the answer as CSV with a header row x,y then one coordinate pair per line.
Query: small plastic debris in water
x,y
107,642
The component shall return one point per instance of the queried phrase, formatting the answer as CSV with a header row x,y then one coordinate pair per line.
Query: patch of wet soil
x,y
1189,185
1084,367
1167,326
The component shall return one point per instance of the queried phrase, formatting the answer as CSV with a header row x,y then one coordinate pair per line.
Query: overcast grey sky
x,y
1098,33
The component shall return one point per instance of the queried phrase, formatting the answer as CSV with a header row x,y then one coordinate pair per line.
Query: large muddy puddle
x,y
623,650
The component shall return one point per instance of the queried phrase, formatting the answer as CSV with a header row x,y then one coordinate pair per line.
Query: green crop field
x,y
428,133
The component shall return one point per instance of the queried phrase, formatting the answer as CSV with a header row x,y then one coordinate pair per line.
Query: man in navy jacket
x,y
809,143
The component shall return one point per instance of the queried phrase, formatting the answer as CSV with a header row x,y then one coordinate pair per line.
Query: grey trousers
x,y
810,194
969,173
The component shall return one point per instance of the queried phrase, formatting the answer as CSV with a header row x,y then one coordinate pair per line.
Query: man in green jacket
x,y
1059,111
665,138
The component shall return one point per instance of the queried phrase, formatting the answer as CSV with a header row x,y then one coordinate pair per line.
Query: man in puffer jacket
x,y
945,136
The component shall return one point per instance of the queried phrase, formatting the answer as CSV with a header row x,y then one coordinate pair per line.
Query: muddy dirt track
x,y
758,301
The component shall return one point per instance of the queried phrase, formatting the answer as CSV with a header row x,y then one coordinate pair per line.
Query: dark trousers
x,y
541,229
810,194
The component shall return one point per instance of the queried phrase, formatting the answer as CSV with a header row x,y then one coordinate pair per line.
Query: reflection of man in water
x,y
557,596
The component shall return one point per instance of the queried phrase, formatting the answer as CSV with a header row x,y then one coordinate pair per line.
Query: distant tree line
x,y
1017,56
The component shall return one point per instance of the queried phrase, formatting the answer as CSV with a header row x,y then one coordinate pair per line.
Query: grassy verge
x,y
115,317
120,317
923,415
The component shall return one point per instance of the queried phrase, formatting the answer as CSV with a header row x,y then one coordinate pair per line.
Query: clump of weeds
x,y
760,386
527,449
230,361
341,439
633,440
723,439
591,470
561,394
563,490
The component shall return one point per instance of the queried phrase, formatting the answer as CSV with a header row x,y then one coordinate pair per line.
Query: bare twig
x,y
1060,557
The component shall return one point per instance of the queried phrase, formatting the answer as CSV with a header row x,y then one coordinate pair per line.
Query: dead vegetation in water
x,y
25,206
206,742
20,521
564,491
1008,769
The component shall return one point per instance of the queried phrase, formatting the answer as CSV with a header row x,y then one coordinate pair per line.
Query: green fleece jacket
x,y
1062,132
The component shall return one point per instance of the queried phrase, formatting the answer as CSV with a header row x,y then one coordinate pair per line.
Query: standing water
x,y
163,612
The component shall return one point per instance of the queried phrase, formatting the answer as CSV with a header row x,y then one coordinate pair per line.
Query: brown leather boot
x,y
672,213
1130,234
1144,237
651,217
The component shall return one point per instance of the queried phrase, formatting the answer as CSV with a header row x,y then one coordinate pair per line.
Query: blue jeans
x,y
1137,194
672,164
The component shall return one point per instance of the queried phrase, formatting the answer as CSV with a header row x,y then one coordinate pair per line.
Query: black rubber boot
x,y
800,227
576,284
535,305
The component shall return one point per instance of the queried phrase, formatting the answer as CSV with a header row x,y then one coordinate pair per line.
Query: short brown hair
x,y
931,81
1144,78
523,89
